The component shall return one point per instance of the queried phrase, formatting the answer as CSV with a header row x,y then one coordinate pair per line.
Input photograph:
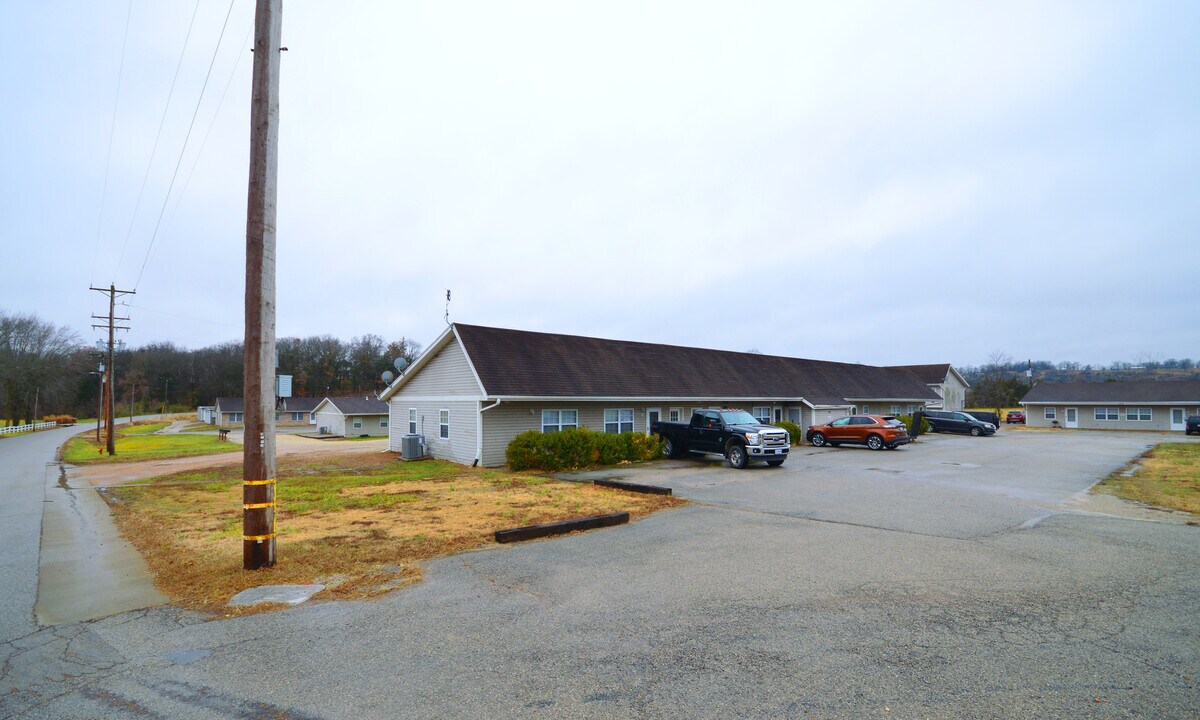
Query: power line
x,y
183,149
112,129
204,143
154,150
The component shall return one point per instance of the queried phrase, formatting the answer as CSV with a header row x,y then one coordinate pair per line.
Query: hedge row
x,y
793,430
60,419
570,449
908,422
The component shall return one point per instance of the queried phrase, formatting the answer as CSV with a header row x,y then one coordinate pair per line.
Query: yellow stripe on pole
x,y
258,538
259,482
257,506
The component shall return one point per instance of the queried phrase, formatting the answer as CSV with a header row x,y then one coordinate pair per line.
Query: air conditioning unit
x,y
323,430
412,447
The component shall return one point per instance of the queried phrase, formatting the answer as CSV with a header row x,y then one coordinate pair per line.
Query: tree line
x,y
1002,381
47,369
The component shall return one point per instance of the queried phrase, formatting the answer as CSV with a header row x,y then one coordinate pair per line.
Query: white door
x,y
1072,418
1178,419
653,415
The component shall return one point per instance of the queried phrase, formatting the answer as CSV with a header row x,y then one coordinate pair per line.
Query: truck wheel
x,y
668,448
737,457
817,439
875,442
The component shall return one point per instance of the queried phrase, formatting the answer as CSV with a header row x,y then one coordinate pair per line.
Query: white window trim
x,y
619,422
444,434
895,410
383,421
754,411
559,427
1111,414
1149,414
412,421
678,414
866,410
1050,413
356,422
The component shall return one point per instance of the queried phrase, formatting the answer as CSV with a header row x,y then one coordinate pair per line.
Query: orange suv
x,y
875,431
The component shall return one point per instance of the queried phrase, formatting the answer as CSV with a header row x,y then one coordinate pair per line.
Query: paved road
x,y
953,579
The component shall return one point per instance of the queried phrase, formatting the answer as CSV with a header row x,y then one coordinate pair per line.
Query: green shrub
x,y
793,430
570,449
908,422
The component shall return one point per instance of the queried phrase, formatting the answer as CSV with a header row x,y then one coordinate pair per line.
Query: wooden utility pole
x,y
258,464
112,318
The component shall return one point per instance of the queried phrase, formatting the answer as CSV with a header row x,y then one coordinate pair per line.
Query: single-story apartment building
x,y
352,416
204,413
228,412
298,410
944,380
1148,405
476,388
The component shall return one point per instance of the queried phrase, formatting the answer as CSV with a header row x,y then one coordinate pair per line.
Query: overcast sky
x,y
870,182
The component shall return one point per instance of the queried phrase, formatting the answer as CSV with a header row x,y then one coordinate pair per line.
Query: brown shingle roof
x,y
359,405
1162,391
930,374
229,404
532,364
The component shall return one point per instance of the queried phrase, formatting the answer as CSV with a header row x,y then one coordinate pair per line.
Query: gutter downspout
x,y
479,431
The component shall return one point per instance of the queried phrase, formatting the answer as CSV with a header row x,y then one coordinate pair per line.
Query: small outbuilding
x,y
352,416
1149,405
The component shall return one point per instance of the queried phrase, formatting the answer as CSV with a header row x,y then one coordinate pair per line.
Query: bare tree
x,y
35,362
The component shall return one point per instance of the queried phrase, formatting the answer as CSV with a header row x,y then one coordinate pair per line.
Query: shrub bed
x,y
60,419
571,449
793,430
908,422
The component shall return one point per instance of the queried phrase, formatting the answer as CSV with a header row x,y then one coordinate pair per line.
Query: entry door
x,y
1072,417
653,415
1178,419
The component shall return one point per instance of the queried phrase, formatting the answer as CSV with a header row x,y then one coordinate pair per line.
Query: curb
x,y
530,532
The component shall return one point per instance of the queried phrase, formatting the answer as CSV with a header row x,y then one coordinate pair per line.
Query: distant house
x,y
298,411
1152,405
950,386
475,388
352,416
204,413
227,412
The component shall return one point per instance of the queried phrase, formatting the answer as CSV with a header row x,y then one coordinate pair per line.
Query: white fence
x,y
14,429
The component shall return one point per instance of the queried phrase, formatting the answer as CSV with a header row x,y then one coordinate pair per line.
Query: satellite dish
x,y
388,377
400,364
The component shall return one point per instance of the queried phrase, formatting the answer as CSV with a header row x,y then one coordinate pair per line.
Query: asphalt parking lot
x,y
955,578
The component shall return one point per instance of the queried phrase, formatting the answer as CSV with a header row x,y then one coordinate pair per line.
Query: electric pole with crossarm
x,y
112,318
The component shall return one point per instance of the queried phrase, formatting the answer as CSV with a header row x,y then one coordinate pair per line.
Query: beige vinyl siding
x,y
370,426
459,447
820,416
953,393
332,419
1161,414
448,373
504,422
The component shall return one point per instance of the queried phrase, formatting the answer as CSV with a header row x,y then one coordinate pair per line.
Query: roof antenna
x,y
447,318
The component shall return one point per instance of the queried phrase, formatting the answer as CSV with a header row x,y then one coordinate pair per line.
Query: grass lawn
x,y
141,428
1168,476
365,519
83,449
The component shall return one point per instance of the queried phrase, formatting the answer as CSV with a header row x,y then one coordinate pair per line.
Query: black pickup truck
x,y
735,434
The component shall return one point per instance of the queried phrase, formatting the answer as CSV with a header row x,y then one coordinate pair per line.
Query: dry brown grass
x,y
364,519
1167,476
